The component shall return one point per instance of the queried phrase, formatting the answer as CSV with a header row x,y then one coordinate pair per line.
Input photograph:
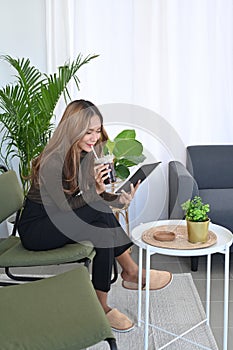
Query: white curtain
x,y
171,57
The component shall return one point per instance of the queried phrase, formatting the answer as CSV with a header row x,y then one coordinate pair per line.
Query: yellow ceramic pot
x,y
197,231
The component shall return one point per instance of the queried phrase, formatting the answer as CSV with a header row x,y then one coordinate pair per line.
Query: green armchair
x,y
56,313
12,252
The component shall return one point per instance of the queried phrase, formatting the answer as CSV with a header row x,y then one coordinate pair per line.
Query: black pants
x,y
44,228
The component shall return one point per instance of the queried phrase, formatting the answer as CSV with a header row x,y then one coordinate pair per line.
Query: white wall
x,y
22,34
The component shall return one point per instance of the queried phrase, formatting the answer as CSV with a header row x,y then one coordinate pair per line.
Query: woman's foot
x,y
158,280
119,322
130,276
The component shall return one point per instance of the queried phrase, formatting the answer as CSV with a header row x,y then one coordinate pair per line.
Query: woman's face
x,y
92,136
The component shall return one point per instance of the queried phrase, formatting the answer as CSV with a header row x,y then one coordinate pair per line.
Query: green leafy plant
x,y
27,107
126,150
196,210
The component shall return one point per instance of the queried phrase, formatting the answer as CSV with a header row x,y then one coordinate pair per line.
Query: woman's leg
x,y
103,263
102,268
129,267
101,279
103,299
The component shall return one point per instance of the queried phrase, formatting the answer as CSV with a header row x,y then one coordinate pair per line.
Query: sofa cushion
x,y
211,165
221,205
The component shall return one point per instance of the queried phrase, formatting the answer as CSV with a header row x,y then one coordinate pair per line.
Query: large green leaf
x,y
126,134
110,146
131,161
122,171
125,148
126,162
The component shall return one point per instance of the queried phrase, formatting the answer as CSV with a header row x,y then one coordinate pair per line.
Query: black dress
x,y
50,219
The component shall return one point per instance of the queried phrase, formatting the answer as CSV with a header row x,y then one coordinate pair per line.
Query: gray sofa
x,y
209,174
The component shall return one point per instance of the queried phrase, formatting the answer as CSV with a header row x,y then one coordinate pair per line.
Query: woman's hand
x,y
101,174
126,197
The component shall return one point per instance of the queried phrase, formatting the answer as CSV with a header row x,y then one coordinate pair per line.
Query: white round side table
x,y
224,241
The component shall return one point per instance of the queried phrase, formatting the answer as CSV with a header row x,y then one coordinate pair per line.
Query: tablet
x,y
141,174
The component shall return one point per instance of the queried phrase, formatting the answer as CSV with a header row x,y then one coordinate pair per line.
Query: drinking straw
x,y
94,153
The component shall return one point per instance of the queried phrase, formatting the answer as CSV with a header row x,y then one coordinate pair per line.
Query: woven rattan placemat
x,y
181,238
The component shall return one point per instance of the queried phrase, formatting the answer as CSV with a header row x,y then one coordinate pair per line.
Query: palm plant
x,y
27,107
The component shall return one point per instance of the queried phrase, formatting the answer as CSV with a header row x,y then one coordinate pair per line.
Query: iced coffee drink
x,y
108,160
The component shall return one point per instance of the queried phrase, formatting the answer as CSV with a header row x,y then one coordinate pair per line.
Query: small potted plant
x,y
197,219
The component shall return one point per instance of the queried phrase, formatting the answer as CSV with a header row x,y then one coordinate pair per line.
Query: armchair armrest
x,y
182,186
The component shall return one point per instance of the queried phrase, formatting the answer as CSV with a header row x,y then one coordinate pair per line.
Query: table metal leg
x,y
146,333
139,286
208,288
226,298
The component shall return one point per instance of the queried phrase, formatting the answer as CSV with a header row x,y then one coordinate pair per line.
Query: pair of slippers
x,y
158,280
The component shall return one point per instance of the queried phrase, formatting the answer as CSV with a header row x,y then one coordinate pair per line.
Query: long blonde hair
x,y
72,127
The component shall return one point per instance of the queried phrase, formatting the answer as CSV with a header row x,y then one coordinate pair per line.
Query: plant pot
x,y
197,231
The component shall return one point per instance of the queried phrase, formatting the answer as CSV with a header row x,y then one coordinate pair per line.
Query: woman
x,y
67,203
